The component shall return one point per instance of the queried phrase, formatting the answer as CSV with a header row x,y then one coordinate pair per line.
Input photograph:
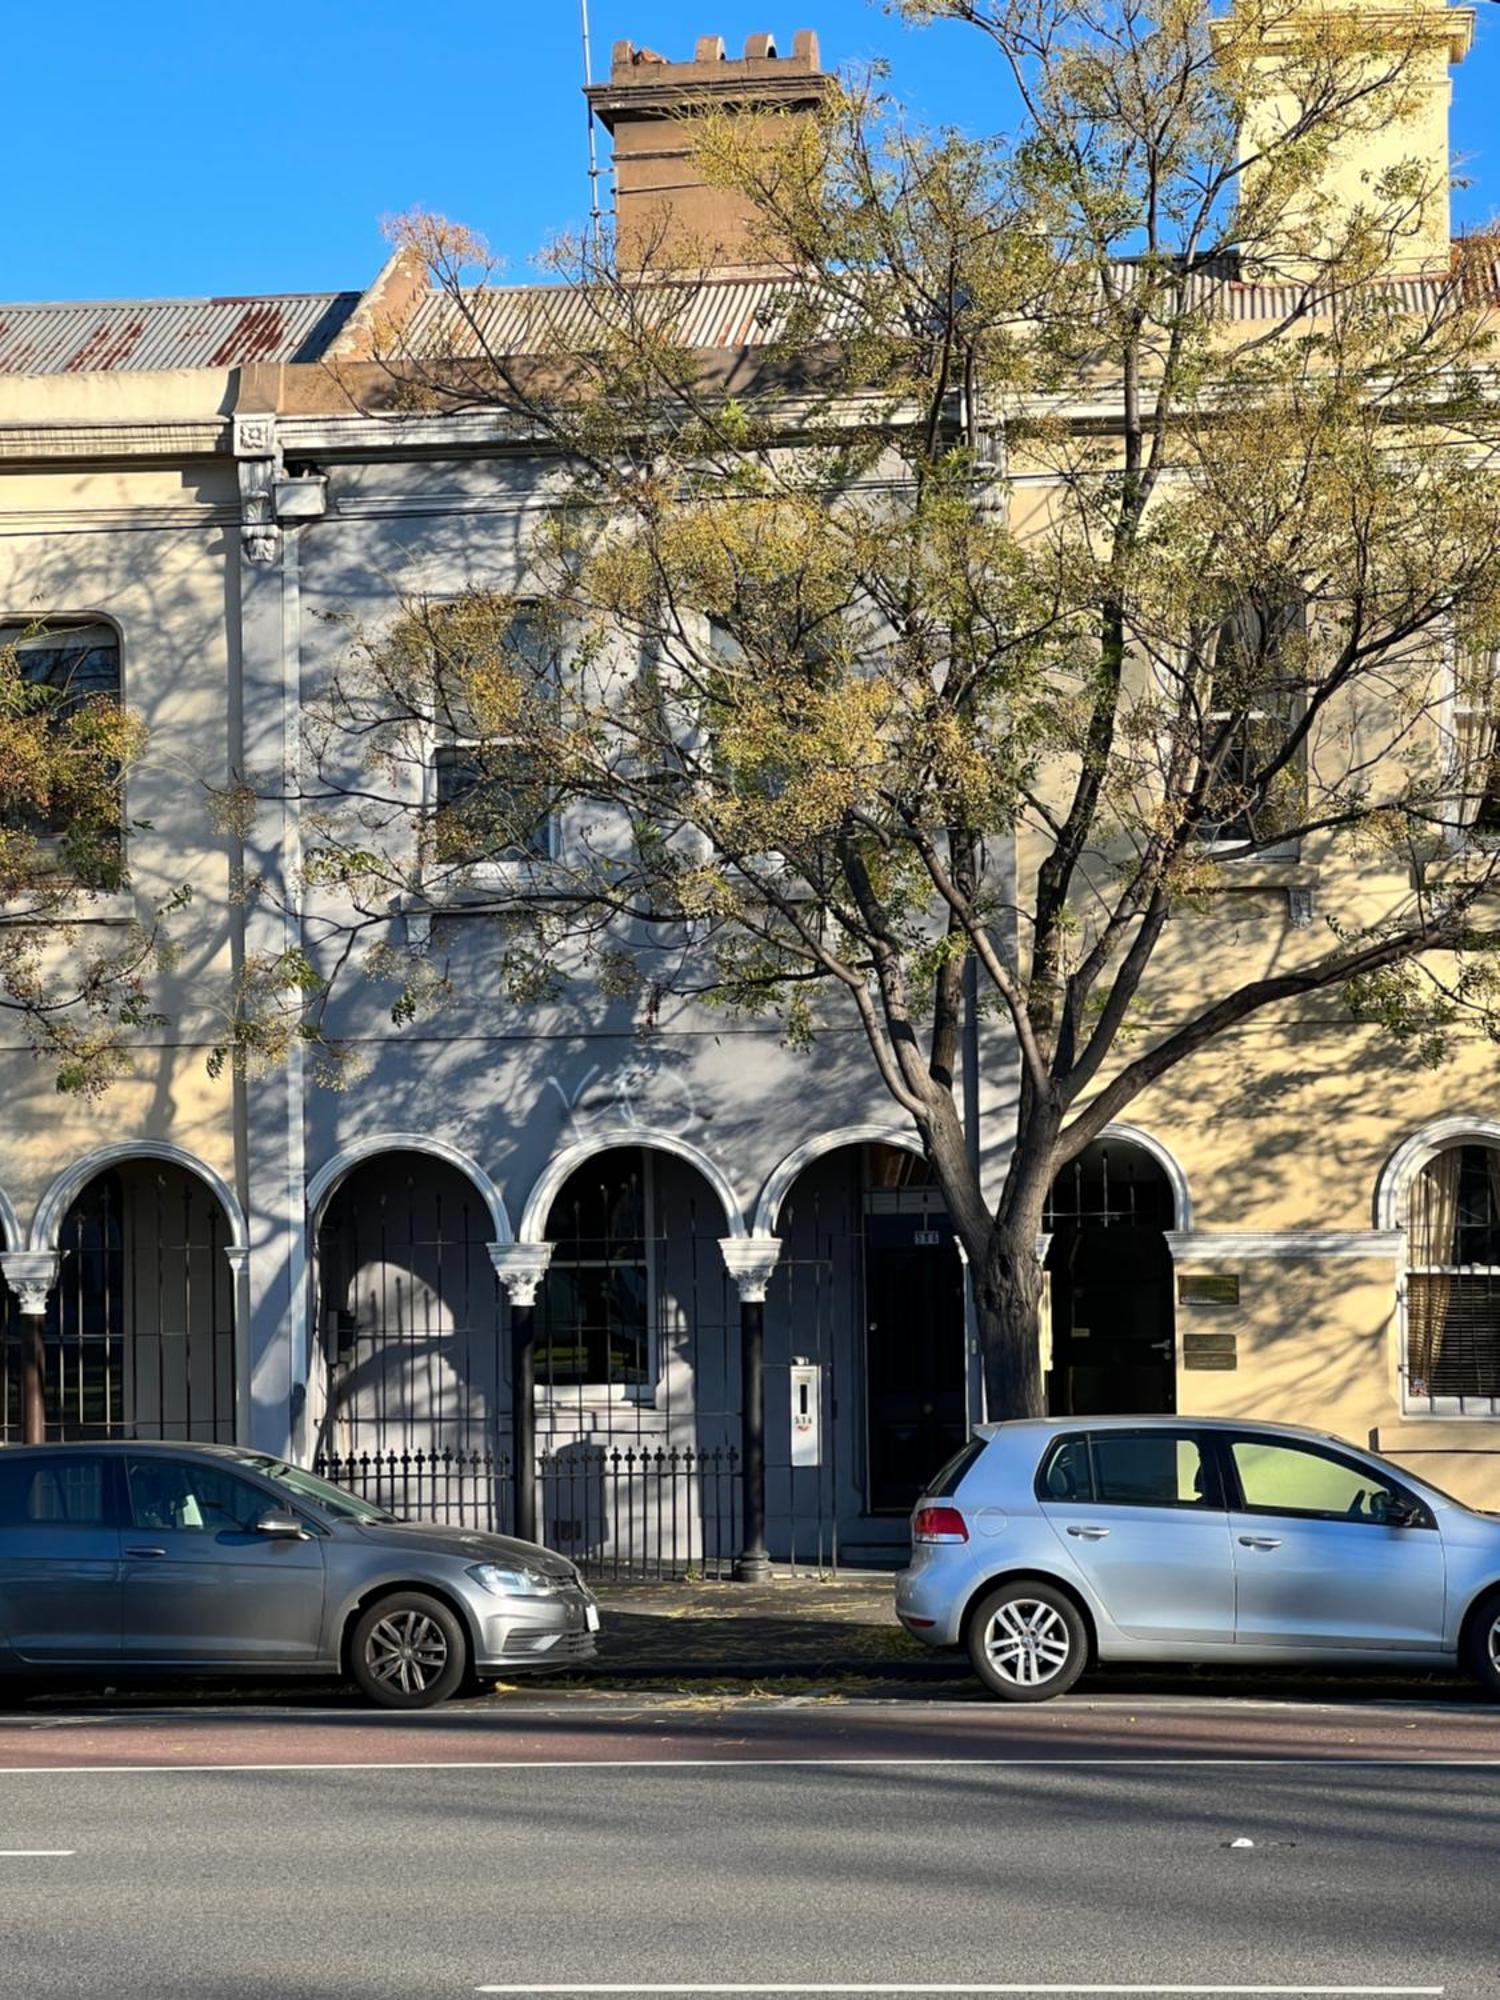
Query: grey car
x,y
212,1559
1045,1544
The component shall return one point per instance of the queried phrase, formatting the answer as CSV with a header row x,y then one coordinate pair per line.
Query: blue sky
x,y
182,147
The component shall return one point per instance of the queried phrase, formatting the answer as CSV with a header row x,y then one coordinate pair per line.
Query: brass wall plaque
x,y
1208,1288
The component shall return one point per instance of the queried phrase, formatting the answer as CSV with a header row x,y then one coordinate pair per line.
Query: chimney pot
x,y
805,48
710,49
760,48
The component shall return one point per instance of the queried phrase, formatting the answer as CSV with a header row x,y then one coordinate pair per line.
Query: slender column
x,y
31,1274
750,1260
520,1268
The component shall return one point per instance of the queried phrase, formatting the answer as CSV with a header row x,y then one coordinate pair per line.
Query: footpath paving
x,y
839,1629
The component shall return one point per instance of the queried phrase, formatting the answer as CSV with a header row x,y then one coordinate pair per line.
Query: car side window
x,y
1155,1468
1285,1478
171,1493
66,1489
1066,1473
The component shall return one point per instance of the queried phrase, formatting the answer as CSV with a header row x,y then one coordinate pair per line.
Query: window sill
x,y
1424,1430
593,1396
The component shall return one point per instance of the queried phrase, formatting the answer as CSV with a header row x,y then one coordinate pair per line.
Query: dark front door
x,y
914,1354
1112,1342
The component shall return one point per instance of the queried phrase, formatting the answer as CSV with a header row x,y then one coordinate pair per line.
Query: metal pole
x,y
753,1564
596,214
523,1408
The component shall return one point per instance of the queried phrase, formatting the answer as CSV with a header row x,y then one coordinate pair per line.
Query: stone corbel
x,y
31,1274
258,457
750,1260
521,1267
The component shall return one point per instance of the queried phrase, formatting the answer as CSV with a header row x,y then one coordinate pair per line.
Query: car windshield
x,y
307,1486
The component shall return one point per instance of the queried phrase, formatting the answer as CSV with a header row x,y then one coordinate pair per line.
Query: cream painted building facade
x,y
546,1211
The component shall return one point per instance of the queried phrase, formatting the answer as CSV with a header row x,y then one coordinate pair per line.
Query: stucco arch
x,y
10,1225
779,1180
322,1184
46,1224
549,1183
1135,1135
1399,1171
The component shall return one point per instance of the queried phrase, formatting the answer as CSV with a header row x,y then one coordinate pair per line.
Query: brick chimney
x,y
664,208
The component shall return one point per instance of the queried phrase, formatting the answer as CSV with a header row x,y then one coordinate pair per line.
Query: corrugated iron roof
x,y
516,319
116,334
751,312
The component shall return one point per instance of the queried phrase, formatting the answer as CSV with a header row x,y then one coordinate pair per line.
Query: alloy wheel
x,y
1494,1643
407,1650
1028,1642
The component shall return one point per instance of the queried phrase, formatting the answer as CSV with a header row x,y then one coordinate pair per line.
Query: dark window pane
x,y
63,1488
492,804
946,1482
169,1493
1151,1469
1066,1474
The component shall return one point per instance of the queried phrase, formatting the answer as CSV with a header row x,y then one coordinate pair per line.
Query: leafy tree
x,y
65,749
982,622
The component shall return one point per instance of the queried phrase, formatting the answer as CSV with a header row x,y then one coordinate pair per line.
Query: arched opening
x,y
637,1365
138,1338
1109,1268
410,1334
869,1293
1451,1358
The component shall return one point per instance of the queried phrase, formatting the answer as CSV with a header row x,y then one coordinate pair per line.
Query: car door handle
x,y
1089,1534
1260,1541
145,1552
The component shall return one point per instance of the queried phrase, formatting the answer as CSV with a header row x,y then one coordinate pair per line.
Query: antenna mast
x,y
596,214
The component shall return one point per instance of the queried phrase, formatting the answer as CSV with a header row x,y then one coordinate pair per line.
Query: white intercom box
x,y
807,1413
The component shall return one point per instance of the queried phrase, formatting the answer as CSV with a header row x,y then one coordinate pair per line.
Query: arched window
x,y
1453,1282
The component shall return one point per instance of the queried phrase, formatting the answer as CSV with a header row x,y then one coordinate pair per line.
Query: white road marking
x,y
785,1763
36,1853
1074,1987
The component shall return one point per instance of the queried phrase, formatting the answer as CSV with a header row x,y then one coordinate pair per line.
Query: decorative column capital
x,y
521,1267
258,457
750,1260
237,1256
31,1274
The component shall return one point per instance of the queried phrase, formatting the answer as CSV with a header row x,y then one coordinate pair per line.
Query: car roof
x,y
1042,1427
240,1452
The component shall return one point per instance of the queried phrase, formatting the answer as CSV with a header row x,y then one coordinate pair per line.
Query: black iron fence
x,y
464,1489
637,1511
642,1511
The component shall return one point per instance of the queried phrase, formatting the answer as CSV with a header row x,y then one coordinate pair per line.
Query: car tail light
x,y
938,1524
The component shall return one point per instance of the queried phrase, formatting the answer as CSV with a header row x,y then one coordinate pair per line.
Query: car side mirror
x,y
1400,1512
281,1526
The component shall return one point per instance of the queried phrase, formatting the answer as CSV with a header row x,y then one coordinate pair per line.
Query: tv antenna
x,y
596,213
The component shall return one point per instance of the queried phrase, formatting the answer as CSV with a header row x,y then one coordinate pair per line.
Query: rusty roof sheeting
x,y
118,334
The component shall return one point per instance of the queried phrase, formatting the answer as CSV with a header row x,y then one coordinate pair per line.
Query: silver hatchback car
x,y
1045,1544
209,1559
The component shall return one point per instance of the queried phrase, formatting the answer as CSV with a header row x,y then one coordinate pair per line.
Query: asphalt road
x,y
1087,1846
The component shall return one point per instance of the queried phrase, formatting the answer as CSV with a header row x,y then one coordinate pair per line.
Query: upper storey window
x,y
60,683
1251,703
1453,1283
492,801
1476,728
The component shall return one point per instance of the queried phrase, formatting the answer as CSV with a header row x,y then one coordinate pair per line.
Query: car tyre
x,y
408,1651
1027,1641
1482,1644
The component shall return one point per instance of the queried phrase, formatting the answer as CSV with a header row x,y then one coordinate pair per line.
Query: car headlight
x,y
508,1582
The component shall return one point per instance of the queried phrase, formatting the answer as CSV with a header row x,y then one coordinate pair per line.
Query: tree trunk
x,y
1008,1308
